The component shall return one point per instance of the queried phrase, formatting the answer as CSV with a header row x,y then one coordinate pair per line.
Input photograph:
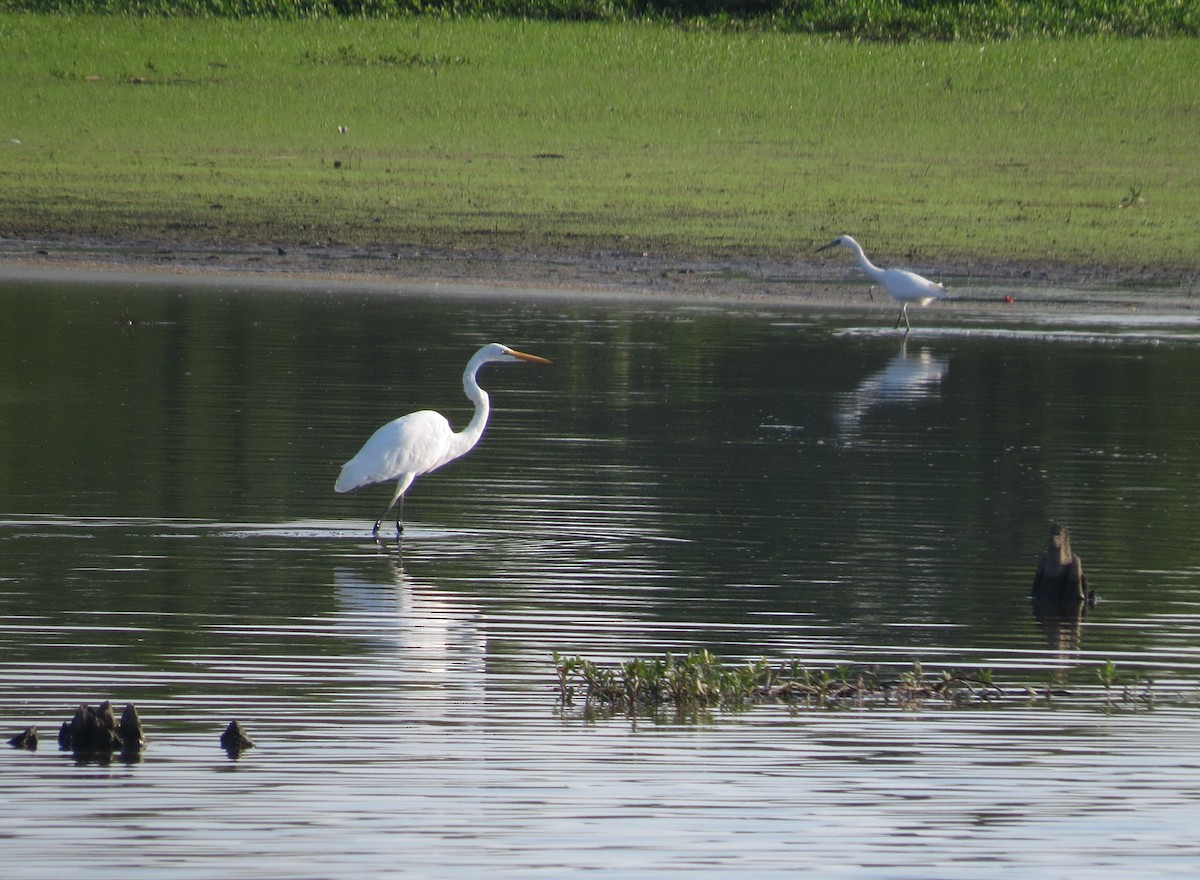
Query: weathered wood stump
x,y
1060,576
26,739
234,739
97,730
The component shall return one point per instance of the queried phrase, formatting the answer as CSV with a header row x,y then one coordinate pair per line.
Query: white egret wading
x,y
904,286
420,442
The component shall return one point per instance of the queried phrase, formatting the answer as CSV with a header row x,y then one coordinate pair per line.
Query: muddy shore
x,y
807,280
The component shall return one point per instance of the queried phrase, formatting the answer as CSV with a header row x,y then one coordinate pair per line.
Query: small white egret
x,y
904,286
423,441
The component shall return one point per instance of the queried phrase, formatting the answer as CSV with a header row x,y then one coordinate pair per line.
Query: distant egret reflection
x,y
908,377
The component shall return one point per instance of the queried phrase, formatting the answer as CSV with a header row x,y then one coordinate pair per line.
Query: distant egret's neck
x,y
867,266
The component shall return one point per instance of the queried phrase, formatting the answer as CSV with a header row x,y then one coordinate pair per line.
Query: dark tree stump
x,y
234,740
97,730
130,729
26,739
1060,576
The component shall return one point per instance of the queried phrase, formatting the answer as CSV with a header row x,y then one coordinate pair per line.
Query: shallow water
x,y
753,480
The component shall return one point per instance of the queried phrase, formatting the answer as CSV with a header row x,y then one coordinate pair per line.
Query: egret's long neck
x,y
867,266
469,436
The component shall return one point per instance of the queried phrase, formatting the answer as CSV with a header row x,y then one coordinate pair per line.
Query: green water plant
x,y
1133,691
696,683
1107,675
699,680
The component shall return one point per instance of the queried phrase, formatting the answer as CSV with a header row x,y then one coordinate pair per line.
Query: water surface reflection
x,y
907,379
755,481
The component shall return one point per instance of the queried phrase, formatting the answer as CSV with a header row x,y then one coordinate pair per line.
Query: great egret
x,y
904,286
423,441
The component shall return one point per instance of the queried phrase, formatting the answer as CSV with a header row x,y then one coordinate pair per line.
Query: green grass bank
x,y
559,136
880,20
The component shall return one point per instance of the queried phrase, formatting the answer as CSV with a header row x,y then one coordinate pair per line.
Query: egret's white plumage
x,y
904,286
423,441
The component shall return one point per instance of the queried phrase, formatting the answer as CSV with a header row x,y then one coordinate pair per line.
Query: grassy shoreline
x,y
561,139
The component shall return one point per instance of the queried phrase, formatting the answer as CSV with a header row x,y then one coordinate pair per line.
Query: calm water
x,y
757,481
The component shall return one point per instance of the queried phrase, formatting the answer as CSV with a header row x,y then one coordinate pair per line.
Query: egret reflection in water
x,y
418,634
908,377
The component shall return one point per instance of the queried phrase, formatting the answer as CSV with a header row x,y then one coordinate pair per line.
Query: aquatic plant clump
x,y
699,681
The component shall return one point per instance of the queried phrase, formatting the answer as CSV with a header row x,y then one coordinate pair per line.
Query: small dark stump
x,y
97,730
130,728
234,740
1060,576
26,739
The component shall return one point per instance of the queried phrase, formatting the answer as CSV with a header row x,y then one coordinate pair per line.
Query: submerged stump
x,y
1060,576
234,740
26,739
97,730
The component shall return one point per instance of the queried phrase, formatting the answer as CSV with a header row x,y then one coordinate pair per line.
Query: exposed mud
x,y
806,280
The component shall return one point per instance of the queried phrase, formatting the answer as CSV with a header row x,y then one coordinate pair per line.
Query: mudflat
x,y
806,280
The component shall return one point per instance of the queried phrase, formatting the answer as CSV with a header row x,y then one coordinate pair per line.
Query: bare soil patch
x,y
802,280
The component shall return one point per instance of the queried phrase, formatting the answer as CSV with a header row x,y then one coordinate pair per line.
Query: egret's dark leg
x,y
400,519
399,527
904,316
383,516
